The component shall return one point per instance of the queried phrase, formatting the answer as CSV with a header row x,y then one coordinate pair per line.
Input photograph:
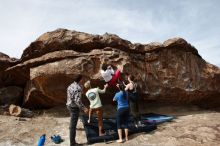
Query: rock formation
x,y
11,95
172,71
5,62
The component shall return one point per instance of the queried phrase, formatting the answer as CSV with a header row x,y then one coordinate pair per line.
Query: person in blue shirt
x,y
122,112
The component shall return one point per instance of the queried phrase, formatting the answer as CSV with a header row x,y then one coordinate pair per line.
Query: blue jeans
x,y
122,117
74,115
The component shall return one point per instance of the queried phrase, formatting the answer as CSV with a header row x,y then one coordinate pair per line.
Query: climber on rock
x,y
109,75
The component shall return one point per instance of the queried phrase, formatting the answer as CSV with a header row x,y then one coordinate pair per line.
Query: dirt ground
x,y
192,127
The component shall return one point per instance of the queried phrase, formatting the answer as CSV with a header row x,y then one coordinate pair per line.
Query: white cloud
x,y
138,21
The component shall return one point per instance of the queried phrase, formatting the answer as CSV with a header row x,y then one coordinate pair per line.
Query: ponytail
x,y
121,87
124,95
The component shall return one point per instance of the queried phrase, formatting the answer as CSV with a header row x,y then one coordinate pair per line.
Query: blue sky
x,y
142,21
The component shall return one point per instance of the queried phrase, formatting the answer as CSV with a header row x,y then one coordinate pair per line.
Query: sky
x,y
139,21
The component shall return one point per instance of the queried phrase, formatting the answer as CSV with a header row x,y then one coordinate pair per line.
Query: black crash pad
x,y
110,128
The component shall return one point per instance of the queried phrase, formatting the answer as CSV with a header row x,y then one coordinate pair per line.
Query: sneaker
x,y
139,123
88,121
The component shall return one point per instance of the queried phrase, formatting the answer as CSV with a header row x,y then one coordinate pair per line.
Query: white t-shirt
x,y
93,96
107,75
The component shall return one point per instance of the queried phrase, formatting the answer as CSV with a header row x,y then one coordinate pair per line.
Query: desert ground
x,y
192,126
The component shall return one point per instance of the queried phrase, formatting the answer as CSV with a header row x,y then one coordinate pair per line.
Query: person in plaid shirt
x,y
74,104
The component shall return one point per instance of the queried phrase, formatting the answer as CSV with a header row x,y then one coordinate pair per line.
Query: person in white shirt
x,y
95,104
109,75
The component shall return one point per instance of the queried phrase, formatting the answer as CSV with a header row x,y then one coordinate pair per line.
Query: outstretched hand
x,y
85,110
106,85
109,67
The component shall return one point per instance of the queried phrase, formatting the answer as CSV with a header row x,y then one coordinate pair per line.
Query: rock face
x,y
5,62
172,71
11,95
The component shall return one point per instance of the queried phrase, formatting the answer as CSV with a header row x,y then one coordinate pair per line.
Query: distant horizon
x,y
142,21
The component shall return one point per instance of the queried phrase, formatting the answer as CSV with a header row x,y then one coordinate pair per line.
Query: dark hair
x,y
78,78
122,88
104,66
131,77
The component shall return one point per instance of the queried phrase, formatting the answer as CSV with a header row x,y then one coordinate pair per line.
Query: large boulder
x,y
5,62
63,39
11,95
172,71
